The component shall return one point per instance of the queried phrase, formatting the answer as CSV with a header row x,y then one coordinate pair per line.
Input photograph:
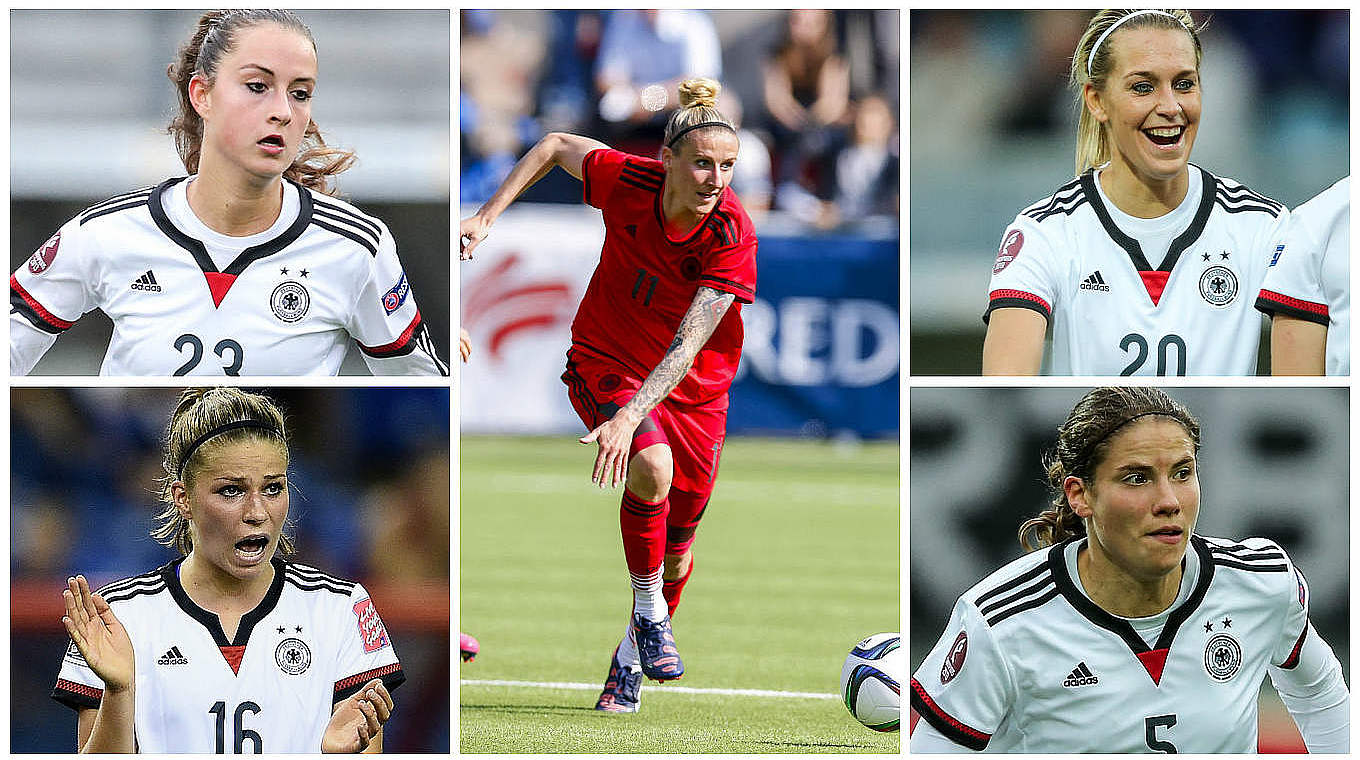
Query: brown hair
x,y
201,411
698,105
1093,145
214,38
1082,443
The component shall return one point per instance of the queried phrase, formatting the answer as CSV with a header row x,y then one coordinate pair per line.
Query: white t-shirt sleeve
x,y
926,739
77,685
386,321
1024,273
1293,284
1309,679
964,687
48,293
366,651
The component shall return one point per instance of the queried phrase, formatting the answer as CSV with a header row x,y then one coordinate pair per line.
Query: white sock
x,y
648,600
628,651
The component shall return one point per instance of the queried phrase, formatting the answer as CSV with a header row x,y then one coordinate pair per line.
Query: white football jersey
x,y
314,640
1113,311
1310,276
185,300
1028,663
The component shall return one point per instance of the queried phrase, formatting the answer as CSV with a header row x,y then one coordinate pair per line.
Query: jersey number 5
x,y
219,709
223,347
1164,346
1150,726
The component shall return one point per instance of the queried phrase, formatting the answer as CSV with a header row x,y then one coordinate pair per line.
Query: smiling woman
x,y
299,658
1122,611
1145,264
251,257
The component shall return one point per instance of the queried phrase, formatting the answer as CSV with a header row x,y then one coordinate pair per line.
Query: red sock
x,y
672,589
643,525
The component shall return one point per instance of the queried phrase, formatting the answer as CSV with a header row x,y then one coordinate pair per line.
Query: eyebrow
x,y
1142,467
268,71
243,478
1152,75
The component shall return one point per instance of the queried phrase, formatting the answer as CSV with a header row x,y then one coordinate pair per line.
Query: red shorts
x,y
597,388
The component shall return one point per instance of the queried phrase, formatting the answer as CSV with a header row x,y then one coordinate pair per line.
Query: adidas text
x,y
1094,286
1085,681
166,659
144,286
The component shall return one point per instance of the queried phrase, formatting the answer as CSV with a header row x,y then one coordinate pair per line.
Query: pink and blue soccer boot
x,y
656,648
468,647
622,688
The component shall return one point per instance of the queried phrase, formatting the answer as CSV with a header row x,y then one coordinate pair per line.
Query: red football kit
x,y
632,309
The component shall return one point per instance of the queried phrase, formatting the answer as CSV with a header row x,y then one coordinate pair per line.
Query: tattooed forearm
x,y
705,312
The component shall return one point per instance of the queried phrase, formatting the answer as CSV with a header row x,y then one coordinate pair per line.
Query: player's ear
x,y
1078,496
1091,94
179,495
199,90
667,156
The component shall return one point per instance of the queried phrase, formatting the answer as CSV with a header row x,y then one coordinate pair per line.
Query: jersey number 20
x,y
1164,350
241,733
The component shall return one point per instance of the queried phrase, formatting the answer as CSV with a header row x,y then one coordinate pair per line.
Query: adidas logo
x,y
1080,676
173,657
147,282
1095,282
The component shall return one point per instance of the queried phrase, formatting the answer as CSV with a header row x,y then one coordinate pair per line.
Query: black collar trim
x,y
250,255
1208,191
1118,626
209,620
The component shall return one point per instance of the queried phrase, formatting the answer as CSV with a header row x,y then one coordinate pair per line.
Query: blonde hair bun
x,y
699,92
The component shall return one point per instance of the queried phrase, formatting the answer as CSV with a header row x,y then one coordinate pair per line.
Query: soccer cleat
x,y
656,648
468,647
622,688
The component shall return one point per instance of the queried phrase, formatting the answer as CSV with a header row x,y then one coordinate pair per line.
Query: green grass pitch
x,y
796,559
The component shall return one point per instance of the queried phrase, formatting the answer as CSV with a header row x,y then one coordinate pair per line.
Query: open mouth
x,y
272,143
252,548
1165,136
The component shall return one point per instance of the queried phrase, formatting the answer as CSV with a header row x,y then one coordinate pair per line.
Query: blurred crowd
x,y
814,93
369,478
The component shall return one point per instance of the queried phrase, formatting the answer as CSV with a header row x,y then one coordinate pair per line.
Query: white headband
x,y
1091,60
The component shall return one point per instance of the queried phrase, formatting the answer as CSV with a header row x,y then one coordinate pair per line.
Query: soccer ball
x,y
870,681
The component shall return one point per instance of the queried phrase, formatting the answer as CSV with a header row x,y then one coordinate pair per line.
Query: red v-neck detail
x,y
1154,660
233,656
219,283
1155,282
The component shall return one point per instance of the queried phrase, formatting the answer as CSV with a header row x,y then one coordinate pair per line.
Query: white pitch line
x,y
654,689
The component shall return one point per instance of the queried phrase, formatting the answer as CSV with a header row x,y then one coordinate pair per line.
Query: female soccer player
x,y
655,344
1307,291
229,648
1144,264
1129,632
246,267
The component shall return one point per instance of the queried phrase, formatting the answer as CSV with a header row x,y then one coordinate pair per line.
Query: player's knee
x,y
676,566
649,473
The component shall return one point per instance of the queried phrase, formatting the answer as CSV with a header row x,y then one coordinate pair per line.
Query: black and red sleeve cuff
x,y
392,676
953,729
1016,299
28,306
744,293
1273,303
77,696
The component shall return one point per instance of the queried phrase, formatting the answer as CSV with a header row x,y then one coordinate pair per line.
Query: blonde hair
x,y
1083,441
698,110
199,413
1093,145
214,37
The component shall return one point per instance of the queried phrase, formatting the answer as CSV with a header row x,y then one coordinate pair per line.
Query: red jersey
x,y
646,281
